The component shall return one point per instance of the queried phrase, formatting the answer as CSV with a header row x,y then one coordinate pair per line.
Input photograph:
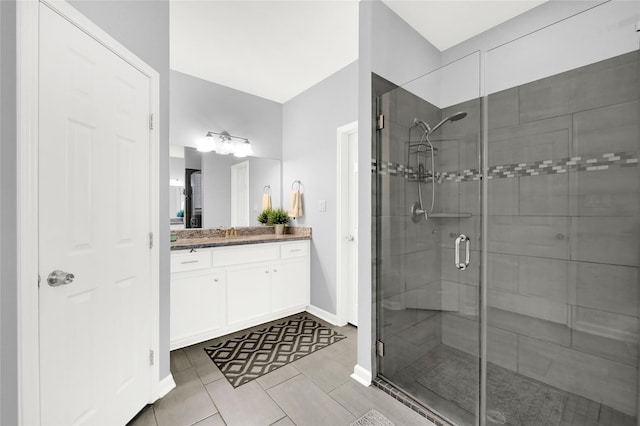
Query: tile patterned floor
x,y
314,390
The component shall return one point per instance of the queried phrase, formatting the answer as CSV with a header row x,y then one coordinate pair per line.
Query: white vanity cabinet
x,y
249,293
220,290
285,274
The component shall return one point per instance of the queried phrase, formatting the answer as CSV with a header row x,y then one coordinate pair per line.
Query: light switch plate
x,y
322,204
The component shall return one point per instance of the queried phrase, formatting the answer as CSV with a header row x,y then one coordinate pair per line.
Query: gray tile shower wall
x,y
405,281
563,250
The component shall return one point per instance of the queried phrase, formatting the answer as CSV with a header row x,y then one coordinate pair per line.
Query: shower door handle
x,y
460,265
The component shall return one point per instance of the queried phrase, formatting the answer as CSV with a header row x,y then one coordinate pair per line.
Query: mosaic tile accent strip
x,y
245,358
409,402
546,167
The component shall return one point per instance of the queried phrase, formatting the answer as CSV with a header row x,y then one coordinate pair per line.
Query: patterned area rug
x,y
372,418
511,398
245,358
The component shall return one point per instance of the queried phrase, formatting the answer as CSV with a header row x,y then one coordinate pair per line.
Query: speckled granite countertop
x,y
188,239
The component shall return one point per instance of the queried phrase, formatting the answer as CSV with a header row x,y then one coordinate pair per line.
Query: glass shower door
x,y
427,180
564,203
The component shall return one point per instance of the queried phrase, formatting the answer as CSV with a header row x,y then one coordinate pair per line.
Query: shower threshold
x,y
400,395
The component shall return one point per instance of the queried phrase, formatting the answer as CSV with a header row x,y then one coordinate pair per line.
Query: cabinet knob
x,y
266,272
215,280
275,270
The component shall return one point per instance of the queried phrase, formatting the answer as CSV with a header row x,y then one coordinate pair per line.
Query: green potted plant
x,y
263,217
278,218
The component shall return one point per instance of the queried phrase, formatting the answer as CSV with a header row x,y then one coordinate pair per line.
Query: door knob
x,y
59,277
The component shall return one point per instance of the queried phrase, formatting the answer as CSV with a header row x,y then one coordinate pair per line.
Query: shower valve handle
x,y
460,265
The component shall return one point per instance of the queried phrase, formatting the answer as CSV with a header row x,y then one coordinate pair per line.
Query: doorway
x,y
347,229
193,198
88,167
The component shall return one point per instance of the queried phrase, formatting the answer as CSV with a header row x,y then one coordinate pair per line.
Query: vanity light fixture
x,y
225,144
206,144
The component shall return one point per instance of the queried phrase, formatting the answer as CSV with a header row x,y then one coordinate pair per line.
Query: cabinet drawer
x,y
250,253
190,261
297,249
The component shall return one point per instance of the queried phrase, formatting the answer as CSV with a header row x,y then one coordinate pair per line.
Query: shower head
x,y
425,126
455,117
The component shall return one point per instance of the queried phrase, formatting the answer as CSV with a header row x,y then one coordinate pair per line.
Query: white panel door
x,y
240,194
352,315
94,221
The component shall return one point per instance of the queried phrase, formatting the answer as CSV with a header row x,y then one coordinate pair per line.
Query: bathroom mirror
x,y
225,190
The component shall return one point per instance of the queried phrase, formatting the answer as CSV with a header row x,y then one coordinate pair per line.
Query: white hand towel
x,y
266,202
295,206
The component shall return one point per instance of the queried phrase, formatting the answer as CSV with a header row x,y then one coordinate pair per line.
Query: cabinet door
x,y
248,292
197,306
290,283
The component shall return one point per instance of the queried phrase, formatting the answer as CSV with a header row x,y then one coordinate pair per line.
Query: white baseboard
x,y
163,387
324,315
361,375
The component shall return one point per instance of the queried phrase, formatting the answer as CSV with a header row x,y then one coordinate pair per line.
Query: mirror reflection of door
x,y
193,199
240,194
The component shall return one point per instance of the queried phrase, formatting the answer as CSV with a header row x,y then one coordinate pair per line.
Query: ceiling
x,y
278,49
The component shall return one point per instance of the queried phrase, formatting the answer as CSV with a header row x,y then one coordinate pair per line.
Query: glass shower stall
x,y
506,236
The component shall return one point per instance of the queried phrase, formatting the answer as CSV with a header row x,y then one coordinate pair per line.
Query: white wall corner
x,y
361,375
325,316
163,387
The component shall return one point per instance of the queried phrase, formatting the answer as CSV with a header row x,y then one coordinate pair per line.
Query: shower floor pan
x,y
446,380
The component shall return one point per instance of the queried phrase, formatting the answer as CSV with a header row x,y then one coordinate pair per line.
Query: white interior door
x,y
352,226
94,222
240,194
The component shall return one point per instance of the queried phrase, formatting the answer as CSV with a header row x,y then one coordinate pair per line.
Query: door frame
x,y
342,203
27,19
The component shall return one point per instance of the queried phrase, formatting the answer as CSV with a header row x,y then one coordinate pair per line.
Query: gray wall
x,y
143,27
395,51
192,159
198,106
310,122
8,223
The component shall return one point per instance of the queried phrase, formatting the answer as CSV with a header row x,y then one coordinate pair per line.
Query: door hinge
x,y
151,122
151,359
39,280
379,348
150,240
380,122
